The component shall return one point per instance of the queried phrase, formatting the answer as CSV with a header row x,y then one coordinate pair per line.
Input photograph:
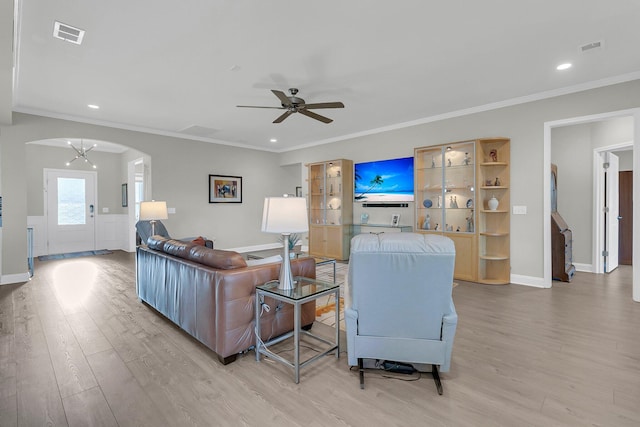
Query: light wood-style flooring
x,y
77,348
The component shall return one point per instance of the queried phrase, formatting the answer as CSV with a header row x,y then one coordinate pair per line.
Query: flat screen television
x,y
384,181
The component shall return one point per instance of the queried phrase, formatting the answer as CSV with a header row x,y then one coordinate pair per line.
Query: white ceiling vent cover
x,y
592,47
67,33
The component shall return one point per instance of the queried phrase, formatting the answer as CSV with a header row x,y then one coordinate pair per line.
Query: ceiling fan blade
x,y
283,116
257,106
282,97
325,105
315,116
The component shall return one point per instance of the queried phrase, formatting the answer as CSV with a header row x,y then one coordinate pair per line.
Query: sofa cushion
x,y
224,260
178,248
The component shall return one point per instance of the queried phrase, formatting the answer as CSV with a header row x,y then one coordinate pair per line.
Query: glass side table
x,y
305,290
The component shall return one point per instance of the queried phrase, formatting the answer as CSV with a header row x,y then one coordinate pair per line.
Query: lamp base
x,y
286,277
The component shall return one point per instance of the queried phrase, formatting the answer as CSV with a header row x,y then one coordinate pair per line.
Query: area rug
x,y
73,255
325,307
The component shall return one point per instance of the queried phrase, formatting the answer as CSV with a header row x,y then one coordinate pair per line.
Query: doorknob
x,y
91,210
619,218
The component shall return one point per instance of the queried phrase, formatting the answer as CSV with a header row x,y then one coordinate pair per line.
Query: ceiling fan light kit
x,y
293,104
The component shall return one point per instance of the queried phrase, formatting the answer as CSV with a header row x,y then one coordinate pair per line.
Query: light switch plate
x,y
105,210
171,210
519,210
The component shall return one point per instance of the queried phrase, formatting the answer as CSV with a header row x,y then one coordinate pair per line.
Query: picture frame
x,y
395,220
125,196
225,189
298,191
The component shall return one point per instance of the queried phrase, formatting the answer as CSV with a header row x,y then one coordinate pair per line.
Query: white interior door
x,y
71,210
611,213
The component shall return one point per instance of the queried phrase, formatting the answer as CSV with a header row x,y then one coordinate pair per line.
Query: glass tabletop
x,y
304,287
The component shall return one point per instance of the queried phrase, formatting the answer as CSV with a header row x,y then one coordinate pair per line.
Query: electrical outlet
x,y
519,210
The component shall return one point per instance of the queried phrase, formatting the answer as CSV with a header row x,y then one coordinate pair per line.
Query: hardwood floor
x,y
77,348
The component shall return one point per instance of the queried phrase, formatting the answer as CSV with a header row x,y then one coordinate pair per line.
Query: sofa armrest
x,y
449,324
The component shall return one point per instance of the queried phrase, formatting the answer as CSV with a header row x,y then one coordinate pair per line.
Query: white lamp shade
x,y
285,215
153,210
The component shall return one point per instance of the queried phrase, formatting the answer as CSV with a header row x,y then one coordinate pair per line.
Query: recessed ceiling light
x,y
93,106
273,140
564,66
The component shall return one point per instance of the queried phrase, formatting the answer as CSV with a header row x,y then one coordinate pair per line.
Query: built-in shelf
x,y
484,233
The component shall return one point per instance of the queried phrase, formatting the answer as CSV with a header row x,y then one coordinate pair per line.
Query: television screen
x,y
384,181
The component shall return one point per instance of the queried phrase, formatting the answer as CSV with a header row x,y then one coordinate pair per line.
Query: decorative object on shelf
x,y
331,190
81,153
433,162
427,203
470,223
489,182
439,202
437,227
458,229
493,203
467,159
493,154
395,220
426,225
225,189
453,202
153,211
364,218
338,173
497,183
470,203
285,215
449,162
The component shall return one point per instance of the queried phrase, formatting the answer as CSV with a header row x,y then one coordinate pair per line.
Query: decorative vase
x,y
427,203
493,203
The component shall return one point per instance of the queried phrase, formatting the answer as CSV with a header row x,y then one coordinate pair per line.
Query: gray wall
x,y
523,123
572,149
180,168
109,172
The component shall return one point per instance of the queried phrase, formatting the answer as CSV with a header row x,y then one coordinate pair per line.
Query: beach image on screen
x,y
384,181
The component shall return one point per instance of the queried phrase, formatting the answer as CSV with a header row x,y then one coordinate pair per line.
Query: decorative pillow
x,y
267,260
199,241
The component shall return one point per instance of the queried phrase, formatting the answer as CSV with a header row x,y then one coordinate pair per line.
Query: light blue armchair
x,y
398,300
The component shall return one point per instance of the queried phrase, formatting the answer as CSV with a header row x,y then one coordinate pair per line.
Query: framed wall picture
x,y
395,220
225,189
298,191
125,196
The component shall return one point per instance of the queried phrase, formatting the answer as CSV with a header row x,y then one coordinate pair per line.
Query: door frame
x,y
45,173
598,243
546,190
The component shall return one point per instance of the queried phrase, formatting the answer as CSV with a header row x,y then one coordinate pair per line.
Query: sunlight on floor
x,y
73,282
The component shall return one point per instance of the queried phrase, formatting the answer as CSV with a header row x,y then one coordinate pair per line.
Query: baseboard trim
x,y
585,268
8,279
536,282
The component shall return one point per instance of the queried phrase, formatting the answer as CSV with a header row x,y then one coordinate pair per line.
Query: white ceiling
x,y
163,66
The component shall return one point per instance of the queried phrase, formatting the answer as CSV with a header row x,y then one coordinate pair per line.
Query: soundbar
x,y
385,205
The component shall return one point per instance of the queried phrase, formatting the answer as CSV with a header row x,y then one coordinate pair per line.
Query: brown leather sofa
x,y
210,293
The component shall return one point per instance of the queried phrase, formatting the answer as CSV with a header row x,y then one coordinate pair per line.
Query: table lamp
x,y
285,215
153,211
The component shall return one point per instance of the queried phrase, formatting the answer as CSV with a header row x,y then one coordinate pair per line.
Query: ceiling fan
x,y
293,104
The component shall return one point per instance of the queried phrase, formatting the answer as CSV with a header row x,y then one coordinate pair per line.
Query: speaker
x,y
385,205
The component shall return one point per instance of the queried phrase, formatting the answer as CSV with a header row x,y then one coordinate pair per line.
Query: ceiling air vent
x,y
592,47
67,33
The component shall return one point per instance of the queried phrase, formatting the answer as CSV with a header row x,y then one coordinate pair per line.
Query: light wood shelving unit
x,y
330,208
453,189
494,265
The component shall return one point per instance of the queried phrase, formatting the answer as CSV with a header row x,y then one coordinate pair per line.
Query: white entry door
x,y
71,210
612,210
